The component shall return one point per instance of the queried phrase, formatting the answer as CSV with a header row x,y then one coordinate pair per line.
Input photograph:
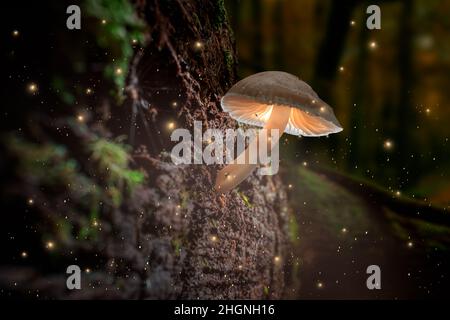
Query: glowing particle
x,y
388,144
410,244
344,230
30,201
198,45
341,68
15,33
319,285
88,91
277,259
24,254
373,45
214,238
50,245
119,71
171,125
32,88
80,118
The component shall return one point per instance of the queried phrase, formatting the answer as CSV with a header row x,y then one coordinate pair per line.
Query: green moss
x,y
214,223
184,199
293,230
246,200
176,245
87,233
65,230
112,158
398,228
197,20
337,207
48,165
122,26
433,236
229,61
221,14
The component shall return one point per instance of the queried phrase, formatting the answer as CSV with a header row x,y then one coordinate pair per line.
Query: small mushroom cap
x,y
252,99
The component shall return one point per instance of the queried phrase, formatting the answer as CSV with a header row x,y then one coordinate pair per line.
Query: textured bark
x,y
240,262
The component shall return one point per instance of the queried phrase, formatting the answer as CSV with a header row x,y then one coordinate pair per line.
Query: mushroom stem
x,y
234,173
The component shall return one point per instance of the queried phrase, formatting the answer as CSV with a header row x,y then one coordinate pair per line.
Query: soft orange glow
x,y
388,144
32,88
233,174
308,124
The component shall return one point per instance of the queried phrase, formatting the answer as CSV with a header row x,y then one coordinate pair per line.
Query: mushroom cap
x,y
252,99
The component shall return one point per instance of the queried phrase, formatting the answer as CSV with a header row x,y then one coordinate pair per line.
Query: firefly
x,y
198,45
32,88
170,125
388,144
50,245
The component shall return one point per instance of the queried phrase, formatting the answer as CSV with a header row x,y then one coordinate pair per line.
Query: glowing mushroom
x,y
273,100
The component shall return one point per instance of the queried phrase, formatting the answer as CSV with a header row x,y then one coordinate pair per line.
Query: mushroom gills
x,y
234,173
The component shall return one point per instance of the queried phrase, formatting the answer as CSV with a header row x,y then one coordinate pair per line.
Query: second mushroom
x,y
273,100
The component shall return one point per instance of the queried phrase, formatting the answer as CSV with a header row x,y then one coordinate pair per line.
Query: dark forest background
x,y
86,177
388,87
